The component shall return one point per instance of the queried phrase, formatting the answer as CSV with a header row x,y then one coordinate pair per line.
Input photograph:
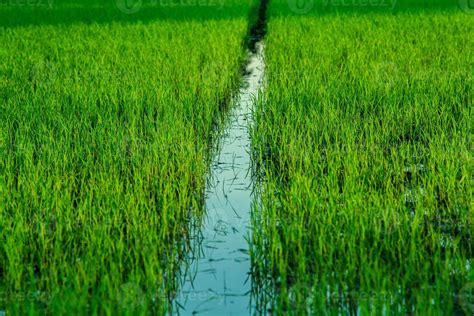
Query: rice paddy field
x,y
361,139
105,130
364,140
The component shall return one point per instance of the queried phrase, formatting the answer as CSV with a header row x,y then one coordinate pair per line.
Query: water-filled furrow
x,y
218,279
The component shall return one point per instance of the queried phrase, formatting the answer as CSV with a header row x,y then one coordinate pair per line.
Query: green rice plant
x,y
15,13
105,128
364,144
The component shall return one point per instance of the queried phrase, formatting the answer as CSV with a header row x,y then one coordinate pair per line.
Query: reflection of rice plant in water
x,y
218,279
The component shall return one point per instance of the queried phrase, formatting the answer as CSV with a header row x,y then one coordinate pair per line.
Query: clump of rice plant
x,y
104,139
364,141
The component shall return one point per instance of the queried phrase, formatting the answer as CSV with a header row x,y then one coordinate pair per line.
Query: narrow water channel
x,y
218,280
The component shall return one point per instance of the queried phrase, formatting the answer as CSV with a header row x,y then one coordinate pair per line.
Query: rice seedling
x,y
105,127
364,144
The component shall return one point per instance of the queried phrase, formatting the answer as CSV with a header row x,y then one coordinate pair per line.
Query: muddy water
x,y
218,281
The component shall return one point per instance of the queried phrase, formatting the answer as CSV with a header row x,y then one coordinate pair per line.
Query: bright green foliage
x,y
363,143
365,140
104,137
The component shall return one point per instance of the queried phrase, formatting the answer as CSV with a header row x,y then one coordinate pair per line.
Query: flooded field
x,y
218,280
